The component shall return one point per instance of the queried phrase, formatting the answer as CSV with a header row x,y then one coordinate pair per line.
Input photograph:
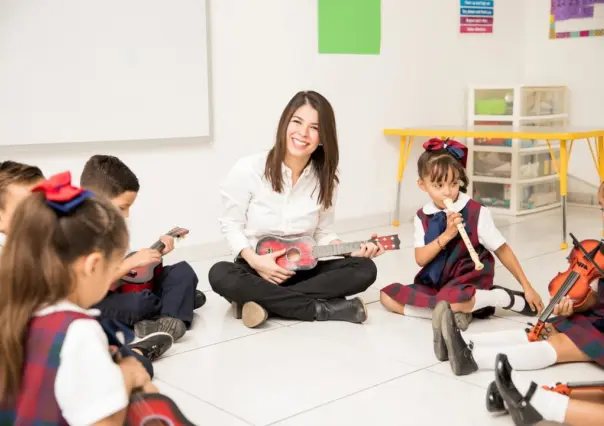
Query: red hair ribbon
x,y
60,194
457,150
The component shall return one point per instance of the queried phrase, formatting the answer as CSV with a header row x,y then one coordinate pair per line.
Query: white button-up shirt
x,y
252,210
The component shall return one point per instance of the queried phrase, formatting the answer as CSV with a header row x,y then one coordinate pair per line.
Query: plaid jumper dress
x,y
450,275
586,329
36,404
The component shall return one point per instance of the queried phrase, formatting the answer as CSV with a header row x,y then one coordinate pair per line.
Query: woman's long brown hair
x,y
325,158
35,269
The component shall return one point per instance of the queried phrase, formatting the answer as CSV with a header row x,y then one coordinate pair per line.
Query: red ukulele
x,y
154,409
303,253
141,278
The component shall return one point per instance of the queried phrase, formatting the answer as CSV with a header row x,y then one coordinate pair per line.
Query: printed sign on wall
x,y
476,16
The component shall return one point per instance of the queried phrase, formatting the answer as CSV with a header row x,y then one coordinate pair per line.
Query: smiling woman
x,y
290,192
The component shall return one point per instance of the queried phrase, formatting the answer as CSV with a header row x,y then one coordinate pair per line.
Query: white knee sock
x,y
498,338
532,356
414,311
498,298
551,405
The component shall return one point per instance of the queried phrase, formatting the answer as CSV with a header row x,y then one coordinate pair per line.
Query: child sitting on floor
x,y
55,362
448,271
169,307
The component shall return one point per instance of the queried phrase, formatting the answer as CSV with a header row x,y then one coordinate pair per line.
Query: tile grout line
x,y
207,402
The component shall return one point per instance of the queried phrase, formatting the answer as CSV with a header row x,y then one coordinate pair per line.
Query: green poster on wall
x,y
350,26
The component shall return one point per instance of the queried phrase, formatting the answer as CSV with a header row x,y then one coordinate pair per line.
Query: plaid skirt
x,y
586,330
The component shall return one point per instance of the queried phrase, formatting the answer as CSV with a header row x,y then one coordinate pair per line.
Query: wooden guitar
x,y
141,278
303,253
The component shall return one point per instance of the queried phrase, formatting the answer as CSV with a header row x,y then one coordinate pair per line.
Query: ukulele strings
x,y
141,408
568,283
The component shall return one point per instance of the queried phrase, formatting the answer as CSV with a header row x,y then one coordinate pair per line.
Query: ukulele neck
x,y
340,249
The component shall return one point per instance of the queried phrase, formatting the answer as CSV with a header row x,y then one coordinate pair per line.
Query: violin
x,y
568,388
586,264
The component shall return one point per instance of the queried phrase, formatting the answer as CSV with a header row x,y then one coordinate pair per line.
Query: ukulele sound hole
x,y
293,255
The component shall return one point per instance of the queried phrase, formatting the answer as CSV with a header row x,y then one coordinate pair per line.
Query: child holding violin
x,y
448,262
575,334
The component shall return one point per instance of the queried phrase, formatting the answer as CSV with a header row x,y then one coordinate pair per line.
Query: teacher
x,y
290,191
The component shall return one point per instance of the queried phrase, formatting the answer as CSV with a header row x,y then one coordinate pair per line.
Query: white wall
x,y
262,52
577,63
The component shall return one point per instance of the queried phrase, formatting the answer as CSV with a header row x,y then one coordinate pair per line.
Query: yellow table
x,y
562,134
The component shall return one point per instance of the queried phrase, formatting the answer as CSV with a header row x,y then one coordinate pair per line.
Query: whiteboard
x,y
103,70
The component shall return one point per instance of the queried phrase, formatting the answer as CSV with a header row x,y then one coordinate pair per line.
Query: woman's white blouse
x,y
252,210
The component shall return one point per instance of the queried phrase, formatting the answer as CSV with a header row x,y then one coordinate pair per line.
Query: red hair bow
x,y
456,149
60,194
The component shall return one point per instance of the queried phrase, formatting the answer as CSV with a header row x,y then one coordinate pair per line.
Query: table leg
x,y
563,189
403,157
600,154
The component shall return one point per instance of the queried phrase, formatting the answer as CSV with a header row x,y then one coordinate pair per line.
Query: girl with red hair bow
x,y
448,273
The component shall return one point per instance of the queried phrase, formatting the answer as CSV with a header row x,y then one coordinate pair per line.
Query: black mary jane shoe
x,y
527,311
519,406
494,400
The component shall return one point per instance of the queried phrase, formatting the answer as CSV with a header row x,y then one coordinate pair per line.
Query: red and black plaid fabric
x,y
459,279
585,329
36,404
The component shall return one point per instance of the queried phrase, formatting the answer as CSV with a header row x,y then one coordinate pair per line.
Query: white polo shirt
x,y
488,234
89,385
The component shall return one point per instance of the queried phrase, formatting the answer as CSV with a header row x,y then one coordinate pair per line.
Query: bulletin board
x,y
576,18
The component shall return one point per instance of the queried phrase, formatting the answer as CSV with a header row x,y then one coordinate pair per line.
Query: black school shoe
x,y
459,352
154,345
440,348
519,406
173,326
200,299
341,309
527,311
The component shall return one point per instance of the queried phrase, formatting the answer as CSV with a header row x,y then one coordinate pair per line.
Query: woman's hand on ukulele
x,y
369,250
267,268
564,308
168,242
453,219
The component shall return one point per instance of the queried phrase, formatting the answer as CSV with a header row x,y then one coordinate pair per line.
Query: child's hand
x,y
168,242
534,300
143,257
564,308
453,219
134,373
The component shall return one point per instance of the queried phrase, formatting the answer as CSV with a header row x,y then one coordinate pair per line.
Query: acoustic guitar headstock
x,y
177,232
389,242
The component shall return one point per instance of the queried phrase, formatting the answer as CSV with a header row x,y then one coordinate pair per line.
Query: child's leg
x,y
467,357
129,308
408,310
177,285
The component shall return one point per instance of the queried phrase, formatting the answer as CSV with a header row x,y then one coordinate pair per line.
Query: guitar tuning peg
x,y
528,330
548,329
531,324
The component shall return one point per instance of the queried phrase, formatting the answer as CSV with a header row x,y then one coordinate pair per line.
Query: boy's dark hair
x,y
12,172
435,165
108,176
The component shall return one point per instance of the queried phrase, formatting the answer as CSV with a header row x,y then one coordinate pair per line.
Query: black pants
x,y
173,296
295,298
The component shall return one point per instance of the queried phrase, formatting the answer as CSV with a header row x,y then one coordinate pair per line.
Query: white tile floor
x,y
384,372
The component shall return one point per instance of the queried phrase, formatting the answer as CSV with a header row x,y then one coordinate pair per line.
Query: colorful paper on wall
x,y
476,16
350,26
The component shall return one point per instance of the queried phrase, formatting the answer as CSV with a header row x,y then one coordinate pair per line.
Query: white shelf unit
x,y
514,176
